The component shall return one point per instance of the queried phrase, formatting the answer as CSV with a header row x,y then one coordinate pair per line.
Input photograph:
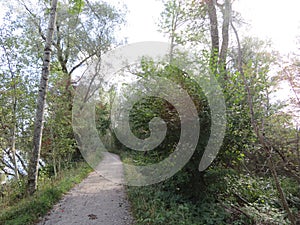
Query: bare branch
x,y
82,62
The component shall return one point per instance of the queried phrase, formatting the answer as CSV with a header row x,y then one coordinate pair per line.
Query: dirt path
x,y
95,200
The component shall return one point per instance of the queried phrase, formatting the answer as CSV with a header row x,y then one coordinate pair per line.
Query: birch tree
x,y
41,101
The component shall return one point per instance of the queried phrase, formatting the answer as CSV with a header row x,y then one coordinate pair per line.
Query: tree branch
x,y
82,62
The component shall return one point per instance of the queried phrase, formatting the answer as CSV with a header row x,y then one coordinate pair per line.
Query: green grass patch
x,y
28,210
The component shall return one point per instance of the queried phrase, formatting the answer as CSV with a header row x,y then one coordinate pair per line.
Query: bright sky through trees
x,y
278,20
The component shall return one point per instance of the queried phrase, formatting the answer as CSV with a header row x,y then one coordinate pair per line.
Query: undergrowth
x,y
227,198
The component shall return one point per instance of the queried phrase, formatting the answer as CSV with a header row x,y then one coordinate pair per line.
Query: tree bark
x,y
13,150
225,35
282,197
219,53
214,34
14,128
298,147
173,30
41,101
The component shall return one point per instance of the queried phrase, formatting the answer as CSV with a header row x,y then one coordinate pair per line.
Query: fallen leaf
x,y
92,217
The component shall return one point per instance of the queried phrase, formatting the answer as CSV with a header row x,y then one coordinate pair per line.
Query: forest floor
x,y
96,200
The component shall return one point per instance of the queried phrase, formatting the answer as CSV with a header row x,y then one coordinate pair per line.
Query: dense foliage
x,y
255,178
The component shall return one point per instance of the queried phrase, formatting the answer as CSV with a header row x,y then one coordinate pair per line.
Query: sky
x,y
142,18
278,20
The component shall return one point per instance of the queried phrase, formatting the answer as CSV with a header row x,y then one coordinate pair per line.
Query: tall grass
x,y
18,210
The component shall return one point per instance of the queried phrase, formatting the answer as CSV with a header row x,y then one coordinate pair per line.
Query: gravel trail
x,y
96,200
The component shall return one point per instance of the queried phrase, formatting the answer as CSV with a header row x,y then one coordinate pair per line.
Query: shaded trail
x,y
96,200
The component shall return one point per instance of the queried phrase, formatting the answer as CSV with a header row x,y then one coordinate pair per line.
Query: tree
x,y
83,31
41,101
185,25
177,114
17,76
87,34
13,112
244,74
290,75
259,130
182,23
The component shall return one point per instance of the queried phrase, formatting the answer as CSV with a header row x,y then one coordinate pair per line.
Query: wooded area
x,y
255,179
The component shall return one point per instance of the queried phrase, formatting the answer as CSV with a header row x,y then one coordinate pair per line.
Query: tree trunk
x,y
298,147
225,36
14,127
13,150
219,48
53,151
173,30
265,145
282,197
214,33
41,101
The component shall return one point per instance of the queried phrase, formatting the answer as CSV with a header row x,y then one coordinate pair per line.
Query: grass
x,y
29,209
